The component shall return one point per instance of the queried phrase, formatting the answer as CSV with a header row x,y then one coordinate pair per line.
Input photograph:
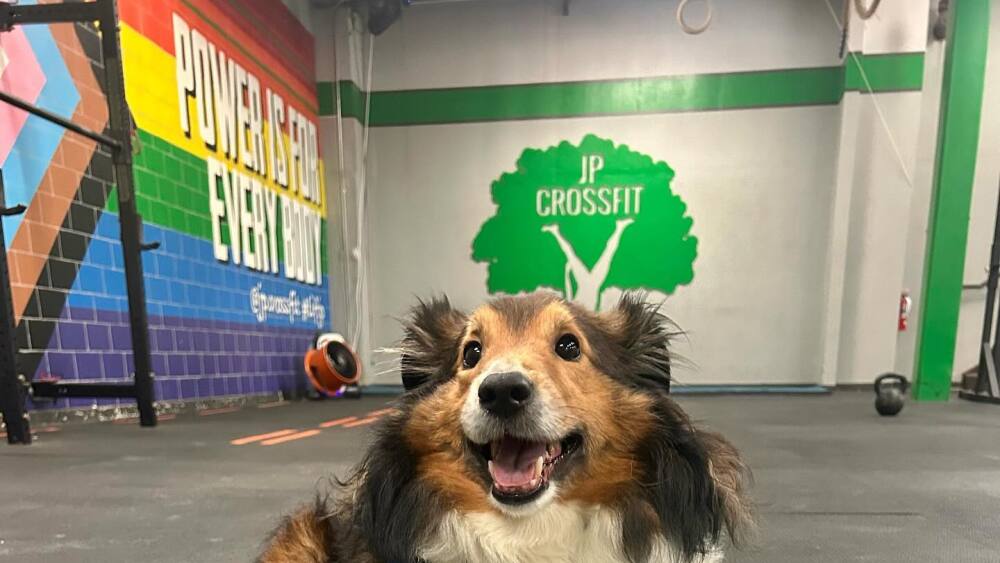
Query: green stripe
x,y
704,92
648,95
885,73
352,101
954,172
170,190
324,93
170,187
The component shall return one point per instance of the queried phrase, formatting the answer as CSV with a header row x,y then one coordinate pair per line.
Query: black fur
x,y
431,337
633,347
393,511
677,483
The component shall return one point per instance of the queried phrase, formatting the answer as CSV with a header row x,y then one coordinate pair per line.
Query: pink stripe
x,y
22,77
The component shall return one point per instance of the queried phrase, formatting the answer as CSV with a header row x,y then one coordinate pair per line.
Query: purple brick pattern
x,y
192,358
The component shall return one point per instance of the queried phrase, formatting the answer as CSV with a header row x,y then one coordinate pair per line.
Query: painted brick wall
x,y
66,263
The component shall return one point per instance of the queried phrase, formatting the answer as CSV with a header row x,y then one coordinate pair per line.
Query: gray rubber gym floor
x,y
834,481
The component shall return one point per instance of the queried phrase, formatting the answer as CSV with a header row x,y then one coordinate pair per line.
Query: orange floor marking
x,y
381,412
361,422
290,437
135,420
259,437
272,405
220,410
338,422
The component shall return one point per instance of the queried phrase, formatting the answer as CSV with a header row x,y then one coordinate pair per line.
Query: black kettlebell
x,y
890,389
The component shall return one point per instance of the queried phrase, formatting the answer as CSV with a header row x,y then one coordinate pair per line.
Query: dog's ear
x,y
643,336
696,484
732,480
431,336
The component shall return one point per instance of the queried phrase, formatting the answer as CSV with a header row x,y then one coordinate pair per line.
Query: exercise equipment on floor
x,y
890,393
332,366
15,386
985,387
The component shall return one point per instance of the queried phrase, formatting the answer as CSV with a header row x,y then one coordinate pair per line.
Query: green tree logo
x,y
582,218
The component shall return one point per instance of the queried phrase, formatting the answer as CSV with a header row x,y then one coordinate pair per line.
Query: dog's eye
x,y
568,347
471,354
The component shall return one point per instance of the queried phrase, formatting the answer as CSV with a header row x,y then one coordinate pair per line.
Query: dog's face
x,y
537,414
532,400
528,399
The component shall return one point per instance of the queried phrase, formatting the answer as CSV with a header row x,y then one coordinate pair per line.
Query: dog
x,y
533,431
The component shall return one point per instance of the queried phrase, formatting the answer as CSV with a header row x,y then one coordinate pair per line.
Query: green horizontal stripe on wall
x,y
669,94
352,101
171,192
327,99
886,73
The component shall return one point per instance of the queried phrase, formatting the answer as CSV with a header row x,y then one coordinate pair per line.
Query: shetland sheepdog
x,y
533,431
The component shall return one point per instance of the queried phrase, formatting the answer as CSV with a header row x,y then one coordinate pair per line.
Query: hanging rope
x,y
863,12
878,107
690,29
843,30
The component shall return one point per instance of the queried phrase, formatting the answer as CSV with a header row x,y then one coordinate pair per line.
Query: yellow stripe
x,y
152,96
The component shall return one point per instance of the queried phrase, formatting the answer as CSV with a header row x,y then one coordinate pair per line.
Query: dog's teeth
x,y
489,465
539,463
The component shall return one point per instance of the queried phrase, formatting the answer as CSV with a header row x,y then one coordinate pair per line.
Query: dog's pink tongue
x,y
514,462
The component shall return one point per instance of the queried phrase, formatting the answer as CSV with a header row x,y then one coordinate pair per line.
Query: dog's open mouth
x,y
521,469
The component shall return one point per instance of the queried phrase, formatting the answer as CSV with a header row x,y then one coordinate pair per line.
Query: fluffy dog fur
x,y
644,485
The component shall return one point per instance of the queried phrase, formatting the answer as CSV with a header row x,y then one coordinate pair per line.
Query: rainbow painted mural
x,y
229,179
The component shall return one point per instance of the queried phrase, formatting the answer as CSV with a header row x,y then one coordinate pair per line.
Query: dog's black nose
x,y
505,394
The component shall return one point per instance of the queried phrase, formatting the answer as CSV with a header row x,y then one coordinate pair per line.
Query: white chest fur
x,y
557,533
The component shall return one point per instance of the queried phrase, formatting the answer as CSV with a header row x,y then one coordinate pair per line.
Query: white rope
x,y
340,155
874,99
688,28
362,201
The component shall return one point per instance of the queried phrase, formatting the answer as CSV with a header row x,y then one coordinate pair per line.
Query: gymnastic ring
x,y
863,12
691,30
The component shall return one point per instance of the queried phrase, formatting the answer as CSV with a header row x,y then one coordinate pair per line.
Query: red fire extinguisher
x,y
905,305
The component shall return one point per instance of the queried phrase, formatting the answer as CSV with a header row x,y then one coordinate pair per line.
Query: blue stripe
x,y
183,279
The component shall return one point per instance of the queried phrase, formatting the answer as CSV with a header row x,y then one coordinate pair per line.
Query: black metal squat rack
x,y
987,385
15,387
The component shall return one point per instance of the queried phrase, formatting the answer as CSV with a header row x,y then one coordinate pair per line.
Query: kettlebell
x,y
890,389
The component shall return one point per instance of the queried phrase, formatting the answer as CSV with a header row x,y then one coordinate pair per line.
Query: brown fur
x,y
303,537
435,435
615,392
